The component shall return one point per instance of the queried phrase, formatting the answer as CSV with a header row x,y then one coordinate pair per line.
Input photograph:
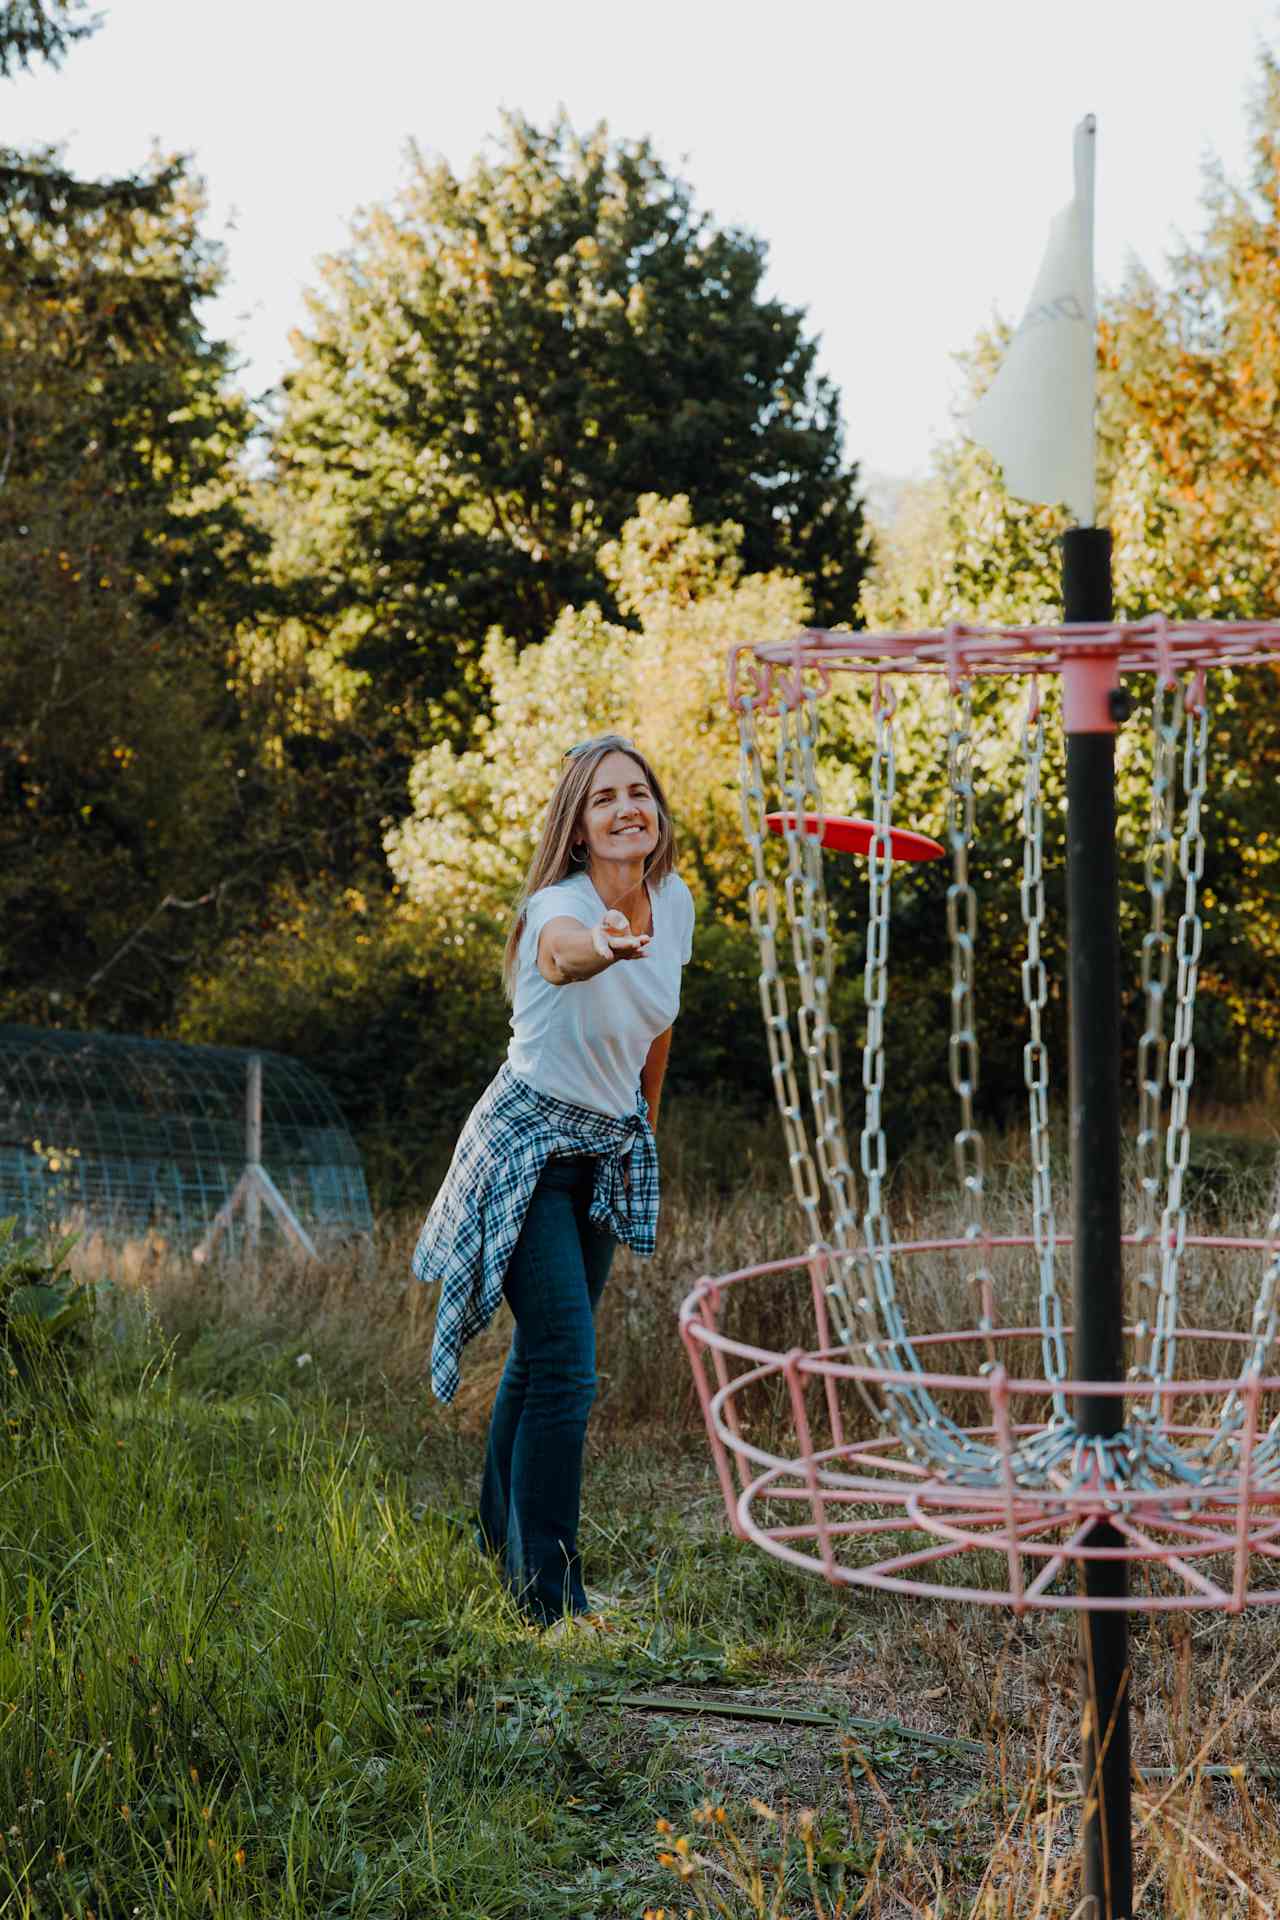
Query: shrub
x,y
44,1311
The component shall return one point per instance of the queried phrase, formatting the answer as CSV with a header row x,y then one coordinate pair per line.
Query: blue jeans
x,y
532,1485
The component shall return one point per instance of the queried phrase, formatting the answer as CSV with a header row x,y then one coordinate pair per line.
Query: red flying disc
x,y
843,834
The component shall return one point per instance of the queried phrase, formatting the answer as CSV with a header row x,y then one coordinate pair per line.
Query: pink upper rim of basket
x,y
775,669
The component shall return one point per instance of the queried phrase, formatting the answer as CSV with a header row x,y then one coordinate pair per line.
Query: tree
x,y
476,810
396,994
32,30
40,30
494,372
122,562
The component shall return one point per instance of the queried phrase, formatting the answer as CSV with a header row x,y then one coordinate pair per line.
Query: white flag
x,y
1036,417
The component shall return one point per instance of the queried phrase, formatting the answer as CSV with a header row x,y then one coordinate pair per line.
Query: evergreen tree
x,y
122,571
40,30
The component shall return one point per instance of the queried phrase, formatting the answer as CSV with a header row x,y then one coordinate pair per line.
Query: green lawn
x,y
253,1664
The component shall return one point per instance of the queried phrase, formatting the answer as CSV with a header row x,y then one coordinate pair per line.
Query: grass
x,y
252,1663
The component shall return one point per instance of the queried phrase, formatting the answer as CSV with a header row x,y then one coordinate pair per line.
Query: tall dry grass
x,y
727,1204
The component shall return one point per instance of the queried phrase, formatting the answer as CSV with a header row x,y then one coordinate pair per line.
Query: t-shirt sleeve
x,y
546,905
686,934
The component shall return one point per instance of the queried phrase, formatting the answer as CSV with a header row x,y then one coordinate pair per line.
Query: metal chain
x,y
872,1147
962,923
913,1410
1167,708
813,951
1182,1053
1035,1056
761,905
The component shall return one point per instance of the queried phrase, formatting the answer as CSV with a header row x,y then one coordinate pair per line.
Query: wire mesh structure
x,y
124,1135
978,1461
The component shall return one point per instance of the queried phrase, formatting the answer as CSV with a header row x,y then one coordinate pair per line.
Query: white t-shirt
x,y
586,1042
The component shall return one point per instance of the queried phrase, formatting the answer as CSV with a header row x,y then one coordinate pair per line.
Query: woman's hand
x,y
614,940
568,950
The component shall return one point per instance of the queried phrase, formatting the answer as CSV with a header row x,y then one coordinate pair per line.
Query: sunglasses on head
x,y
601,740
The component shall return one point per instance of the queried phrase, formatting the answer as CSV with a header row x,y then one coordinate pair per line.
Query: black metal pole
x,y
1094,983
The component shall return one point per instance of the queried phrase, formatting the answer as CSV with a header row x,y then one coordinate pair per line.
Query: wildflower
x,y
303,1360
126,1812
758,1806
238,1856
663,1826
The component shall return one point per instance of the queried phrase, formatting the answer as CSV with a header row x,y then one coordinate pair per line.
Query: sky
x,y
901,158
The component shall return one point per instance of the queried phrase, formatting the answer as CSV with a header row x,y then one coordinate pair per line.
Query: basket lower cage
x,y
957,1471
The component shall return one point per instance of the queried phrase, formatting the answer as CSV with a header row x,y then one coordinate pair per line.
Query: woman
x,y
557,1161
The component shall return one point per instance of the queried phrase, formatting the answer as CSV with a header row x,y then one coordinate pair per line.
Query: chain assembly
x,y
1166,726
1157,953
915,1412
761,906
962,927
856,1239
1035,1054
813,952
1157,1347
1182,1052
872,1146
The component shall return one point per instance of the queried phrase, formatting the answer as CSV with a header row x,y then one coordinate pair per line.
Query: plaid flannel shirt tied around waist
x,y
475,1219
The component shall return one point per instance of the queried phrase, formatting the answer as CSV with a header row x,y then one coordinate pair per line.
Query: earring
x,y
578,854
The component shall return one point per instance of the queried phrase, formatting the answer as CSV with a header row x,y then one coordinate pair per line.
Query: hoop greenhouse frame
x,y
123,1136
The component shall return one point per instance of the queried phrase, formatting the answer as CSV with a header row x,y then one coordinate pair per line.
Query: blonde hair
x,y
553,856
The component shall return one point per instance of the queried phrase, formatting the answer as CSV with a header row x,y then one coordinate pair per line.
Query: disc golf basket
x,y
1018,1460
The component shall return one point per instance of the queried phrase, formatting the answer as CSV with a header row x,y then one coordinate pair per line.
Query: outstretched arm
x,y
568,951
651,1074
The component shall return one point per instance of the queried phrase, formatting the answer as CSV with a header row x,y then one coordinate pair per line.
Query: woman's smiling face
x,y
620,814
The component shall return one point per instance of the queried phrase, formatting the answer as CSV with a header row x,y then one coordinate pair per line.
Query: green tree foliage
x,y
494,372
476,810
400,997
122,562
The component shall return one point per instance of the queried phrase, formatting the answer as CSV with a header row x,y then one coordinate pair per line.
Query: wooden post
x,y
253,1161
254,1186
